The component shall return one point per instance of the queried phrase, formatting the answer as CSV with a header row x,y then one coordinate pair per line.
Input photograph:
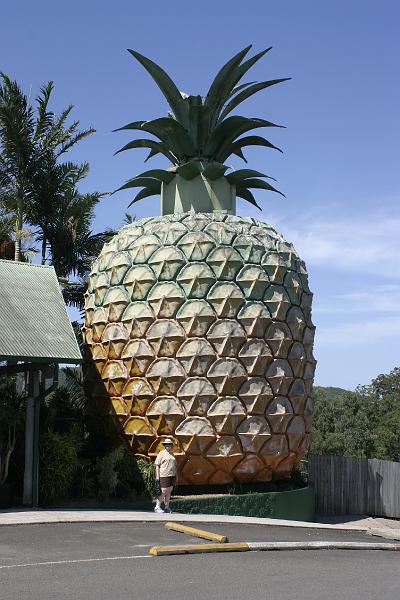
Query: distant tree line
x,y
361,424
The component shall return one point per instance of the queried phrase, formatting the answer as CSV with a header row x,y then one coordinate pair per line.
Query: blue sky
x,y
341,147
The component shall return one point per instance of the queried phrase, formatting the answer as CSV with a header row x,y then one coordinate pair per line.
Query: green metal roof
x,y
34,324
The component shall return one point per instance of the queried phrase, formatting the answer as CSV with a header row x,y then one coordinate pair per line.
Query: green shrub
x,y
130,480
299,475
107,474
58,464
85,484
147,470
12,406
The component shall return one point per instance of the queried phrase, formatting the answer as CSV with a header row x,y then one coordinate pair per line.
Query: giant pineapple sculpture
x,y
199,321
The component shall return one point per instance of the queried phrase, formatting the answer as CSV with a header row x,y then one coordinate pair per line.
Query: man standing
x,y
165,475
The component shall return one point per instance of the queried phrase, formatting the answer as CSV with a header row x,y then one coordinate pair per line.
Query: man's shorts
x,y
167,482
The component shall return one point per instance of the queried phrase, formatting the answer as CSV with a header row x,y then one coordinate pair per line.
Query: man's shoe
x,y
167,509
158,509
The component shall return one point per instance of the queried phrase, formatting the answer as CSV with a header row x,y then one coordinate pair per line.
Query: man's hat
x,y
168,441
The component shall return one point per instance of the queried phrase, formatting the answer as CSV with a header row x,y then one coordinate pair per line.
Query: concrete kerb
x,y
38,516
389,534
267,546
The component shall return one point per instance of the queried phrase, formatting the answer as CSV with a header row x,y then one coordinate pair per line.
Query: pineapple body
x,y
200,329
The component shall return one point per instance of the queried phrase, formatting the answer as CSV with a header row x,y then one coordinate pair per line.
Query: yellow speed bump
x,y
207,535
198,549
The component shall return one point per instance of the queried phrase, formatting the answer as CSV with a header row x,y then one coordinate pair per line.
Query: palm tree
x,y
7,242
64,217
30,140
17,150
51,184
7,245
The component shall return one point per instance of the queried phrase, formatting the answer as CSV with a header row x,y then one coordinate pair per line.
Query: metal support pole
x,y
30,494
35,466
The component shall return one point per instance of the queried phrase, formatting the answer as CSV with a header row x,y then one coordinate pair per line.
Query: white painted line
x,y
72,561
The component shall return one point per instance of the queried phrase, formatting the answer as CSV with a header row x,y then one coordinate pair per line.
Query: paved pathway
x,y
387,528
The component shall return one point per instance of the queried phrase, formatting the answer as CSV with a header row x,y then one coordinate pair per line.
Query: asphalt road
x,y
110,561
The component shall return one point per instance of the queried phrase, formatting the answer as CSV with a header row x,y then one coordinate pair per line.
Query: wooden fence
x,y
355,486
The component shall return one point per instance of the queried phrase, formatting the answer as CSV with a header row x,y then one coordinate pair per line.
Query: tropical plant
x,y
7,247
107,473
64,216
17,150
63,409
130,480
7,238
199,134
147,470
58,465
12,404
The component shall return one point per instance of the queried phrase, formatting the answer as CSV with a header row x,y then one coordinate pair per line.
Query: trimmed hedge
x,y
297,505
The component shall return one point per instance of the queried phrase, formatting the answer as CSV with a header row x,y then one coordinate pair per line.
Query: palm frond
x,y
73,140
45,118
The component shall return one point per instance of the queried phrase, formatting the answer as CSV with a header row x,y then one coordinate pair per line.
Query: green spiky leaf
x,y
240,87
160,174
198,136
229,130
153,188
259,184
241,174
137,182
189,170
166,85
250,140
247,195
221,83
234,77
214,170
155,148
247,93
169,131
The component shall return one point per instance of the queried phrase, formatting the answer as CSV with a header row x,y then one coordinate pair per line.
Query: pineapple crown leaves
x,y
199,134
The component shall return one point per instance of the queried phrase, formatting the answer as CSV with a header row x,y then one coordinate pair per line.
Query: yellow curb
x,y
207,535
198,549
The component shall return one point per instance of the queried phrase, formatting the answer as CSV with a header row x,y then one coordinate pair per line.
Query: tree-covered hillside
x,y
329,393
363,424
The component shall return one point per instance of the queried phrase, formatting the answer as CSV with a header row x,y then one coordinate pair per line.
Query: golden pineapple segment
x,y
200,329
